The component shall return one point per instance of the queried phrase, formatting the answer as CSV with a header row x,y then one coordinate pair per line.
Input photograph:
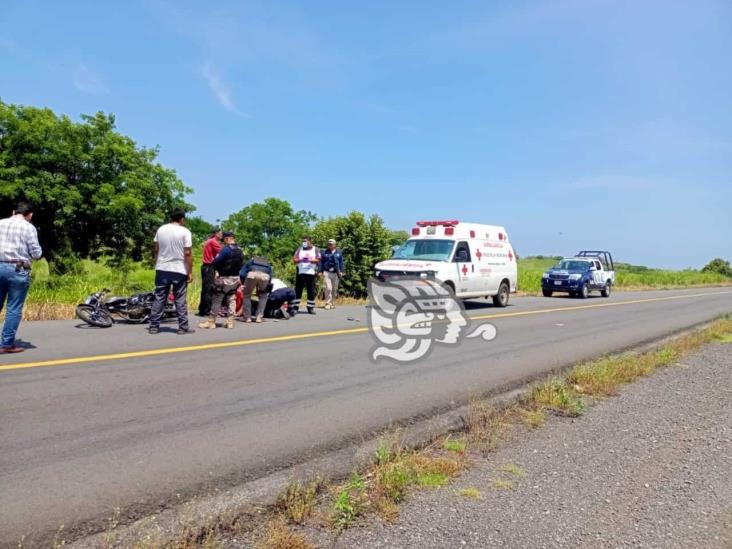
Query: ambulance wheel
x,y
547,293
501,298
584,291
606,290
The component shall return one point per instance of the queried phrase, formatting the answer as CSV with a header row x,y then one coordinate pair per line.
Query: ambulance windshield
x,y
428,250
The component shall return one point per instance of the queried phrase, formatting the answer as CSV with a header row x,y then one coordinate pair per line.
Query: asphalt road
x,y
92,420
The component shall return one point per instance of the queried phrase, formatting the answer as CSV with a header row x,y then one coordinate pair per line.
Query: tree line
x,y
98,194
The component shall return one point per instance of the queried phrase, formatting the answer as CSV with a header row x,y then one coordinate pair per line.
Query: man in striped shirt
x,y
18,248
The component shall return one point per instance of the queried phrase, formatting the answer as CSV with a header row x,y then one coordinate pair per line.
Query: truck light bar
x,y
448,223
415,231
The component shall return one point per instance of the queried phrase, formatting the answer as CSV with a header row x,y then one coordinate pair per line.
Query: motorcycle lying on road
x,y
102,311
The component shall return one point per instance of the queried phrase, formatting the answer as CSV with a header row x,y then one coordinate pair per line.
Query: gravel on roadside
x,y
651,467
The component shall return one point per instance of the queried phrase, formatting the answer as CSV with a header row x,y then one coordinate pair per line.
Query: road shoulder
x,y
650,467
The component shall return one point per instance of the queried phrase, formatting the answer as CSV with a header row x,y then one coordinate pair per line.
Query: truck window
x,y
598,266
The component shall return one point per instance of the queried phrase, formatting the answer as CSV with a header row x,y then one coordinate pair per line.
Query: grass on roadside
x,y
279,536
470,492
298,499
394,473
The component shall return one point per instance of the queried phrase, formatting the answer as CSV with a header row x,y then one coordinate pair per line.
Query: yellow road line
x,y
311,335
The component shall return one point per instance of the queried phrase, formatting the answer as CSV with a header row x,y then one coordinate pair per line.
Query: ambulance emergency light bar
x,y
449,226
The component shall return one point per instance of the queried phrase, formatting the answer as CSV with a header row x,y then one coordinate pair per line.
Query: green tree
x,y
95,191
200,228
271,228
398,237
718,265
364,241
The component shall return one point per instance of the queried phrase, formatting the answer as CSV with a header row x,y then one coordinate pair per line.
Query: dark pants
x,y
208,275
165,282
277,299
301,282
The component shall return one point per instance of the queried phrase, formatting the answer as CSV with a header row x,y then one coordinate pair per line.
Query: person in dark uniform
x,y
227,265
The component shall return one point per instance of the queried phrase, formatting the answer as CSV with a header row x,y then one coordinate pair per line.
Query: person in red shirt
x,y
211,249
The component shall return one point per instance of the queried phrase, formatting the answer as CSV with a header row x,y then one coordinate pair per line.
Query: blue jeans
x,y
13,287
165,282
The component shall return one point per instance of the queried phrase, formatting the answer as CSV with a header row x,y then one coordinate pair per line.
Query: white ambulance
x,y
474,260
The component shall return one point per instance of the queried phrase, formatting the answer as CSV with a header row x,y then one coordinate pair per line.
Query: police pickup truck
x,y
589,270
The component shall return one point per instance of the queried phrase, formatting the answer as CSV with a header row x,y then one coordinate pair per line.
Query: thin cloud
x,y
85,80
219,88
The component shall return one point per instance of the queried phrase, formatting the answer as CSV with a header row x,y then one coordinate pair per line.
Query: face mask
x,y
305,244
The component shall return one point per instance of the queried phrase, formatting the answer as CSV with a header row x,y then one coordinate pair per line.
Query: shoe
x,y
209,324
248,321
153,330
285,314
259,320
186,331
328,307
230,323
311,310
13,349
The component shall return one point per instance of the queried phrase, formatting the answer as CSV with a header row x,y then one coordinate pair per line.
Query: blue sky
x,y
574,123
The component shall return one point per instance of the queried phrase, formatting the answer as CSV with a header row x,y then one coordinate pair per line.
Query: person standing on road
x,y
307,258
255,275
173,271
211,249
18,248
331,269
227,265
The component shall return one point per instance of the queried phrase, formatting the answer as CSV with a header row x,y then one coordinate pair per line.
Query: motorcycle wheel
x,y
93,316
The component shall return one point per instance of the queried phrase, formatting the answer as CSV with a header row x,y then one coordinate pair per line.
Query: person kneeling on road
x,y
227,263
255,275
280,299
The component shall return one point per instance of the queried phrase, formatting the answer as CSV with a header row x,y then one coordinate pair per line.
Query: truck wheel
x,y
547,293
501,298
606,290
584,291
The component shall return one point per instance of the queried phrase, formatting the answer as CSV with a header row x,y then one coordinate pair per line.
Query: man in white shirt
x,y
173,271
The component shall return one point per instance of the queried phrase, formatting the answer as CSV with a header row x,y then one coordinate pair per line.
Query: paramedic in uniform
x,y
307,258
